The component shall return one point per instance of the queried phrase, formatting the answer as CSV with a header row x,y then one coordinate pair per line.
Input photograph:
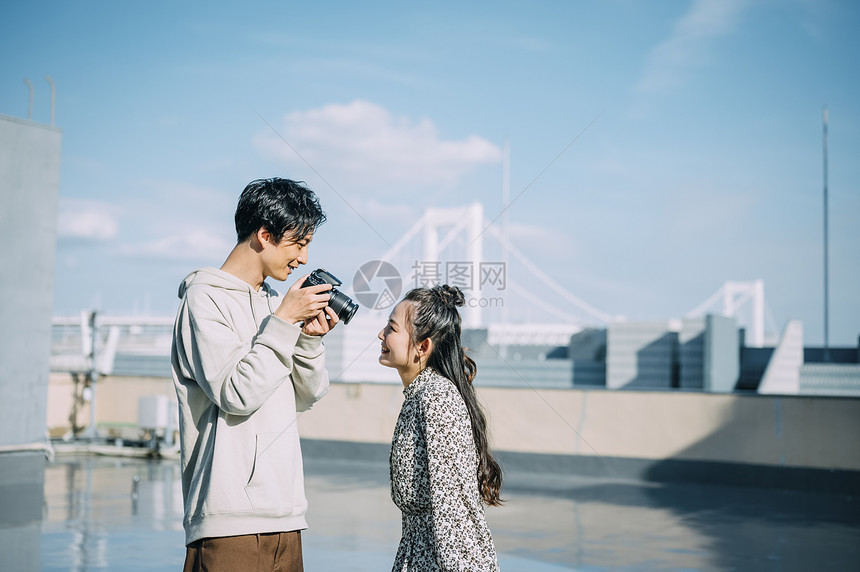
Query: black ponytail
x,y
434,315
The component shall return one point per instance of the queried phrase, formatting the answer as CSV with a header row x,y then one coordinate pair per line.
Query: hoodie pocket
x,y
270,486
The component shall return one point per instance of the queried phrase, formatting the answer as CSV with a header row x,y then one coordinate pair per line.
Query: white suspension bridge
x,y
443,230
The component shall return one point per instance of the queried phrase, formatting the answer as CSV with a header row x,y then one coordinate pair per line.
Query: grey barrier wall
x,y
655,435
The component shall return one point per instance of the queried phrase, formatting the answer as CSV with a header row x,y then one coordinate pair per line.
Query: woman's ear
x,y
425,347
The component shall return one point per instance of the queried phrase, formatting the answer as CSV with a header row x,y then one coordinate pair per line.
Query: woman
x,y
442,470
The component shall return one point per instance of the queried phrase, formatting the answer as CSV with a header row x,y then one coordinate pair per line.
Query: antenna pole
x,y
30,107
506,199
53,97
826,269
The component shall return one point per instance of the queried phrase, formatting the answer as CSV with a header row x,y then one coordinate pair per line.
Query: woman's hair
x,y
433,314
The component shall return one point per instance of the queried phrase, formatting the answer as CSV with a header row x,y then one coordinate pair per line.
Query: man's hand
x,y
302,304
321,324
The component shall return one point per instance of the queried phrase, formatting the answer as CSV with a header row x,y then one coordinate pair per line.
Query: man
x,y
243,364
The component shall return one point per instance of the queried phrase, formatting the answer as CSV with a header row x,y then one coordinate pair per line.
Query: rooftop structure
x,y
29,185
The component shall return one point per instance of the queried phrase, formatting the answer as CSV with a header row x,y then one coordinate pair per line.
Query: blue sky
x,y
704,163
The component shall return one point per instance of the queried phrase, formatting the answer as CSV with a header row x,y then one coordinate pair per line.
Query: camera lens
x,y
342,305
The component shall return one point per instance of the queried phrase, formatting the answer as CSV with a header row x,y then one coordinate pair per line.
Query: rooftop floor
x,y
106,513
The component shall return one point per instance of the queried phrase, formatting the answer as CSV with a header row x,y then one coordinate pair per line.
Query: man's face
x,y
282,258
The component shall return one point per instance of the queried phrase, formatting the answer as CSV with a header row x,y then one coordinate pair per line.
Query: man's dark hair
x,y
283,207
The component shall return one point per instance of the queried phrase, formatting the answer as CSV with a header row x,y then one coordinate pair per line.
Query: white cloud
x,y
190,199
387,211
197,226
192,244
686,47
534,233
88,220
366,144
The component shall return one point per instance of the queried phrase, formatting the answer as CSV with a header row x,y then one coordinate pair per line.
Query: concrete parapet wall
x,y
803,432
806,432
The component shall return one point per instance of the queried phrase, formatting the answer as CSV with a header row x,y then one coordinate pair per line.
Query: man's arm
x,y
236,377
310,377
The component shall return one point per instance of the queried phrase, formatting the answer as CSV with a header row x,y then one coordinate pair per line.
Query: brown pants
x,y
273,552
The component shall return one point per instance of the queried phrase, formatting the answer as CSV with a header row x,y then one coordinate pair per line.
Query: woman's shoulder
x,y
437,388
441,404
437,382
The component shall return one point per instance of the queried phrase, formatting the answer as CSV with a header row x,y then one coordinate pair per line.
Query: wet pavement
x,y
107,513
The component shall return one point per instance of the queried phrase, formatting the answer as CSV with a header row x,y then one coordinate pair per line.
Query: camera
x,y
342,304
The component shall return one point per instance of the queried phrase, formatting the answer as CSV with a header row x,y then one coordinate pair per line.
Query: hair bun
x,y
450,295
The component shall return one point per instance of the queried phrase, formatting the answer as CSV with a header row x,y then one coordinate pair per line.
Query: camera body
x,y
342,304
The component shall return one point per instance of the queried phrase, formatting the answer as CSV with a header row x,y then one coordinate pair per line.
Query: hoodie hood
x,y
260,301
217,277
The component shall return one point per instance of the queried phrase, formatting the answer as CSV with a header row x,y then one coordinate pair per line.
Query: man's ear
x,y
264,237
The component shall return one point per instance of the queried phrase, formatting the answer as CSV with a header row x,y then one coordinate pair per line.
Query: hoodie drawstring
x,y
268,303
253,313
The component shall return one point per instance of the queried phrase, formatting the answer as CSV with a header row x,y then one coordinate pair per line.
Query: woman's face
x,y
397,350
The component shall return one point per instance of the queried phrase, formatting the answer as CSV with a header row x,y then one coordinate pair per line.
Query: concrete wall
x,y
29,183
691,353
641,354
782,375
811,432
587,353
722,353
779,431
116,403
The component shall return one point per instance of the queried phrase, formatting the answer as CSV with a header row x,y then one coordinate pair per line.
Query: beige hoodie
x,y
241,374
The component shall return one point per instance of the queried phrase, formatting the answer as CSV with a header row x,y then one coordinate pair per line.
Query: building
x,y
29,185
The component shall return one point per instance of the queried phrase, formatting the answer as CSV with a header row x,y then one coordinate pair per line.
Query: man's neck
x,y
243,265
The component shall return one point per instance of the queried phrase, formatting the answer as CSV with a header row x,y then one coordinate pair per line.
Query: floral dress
x,y
434,482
